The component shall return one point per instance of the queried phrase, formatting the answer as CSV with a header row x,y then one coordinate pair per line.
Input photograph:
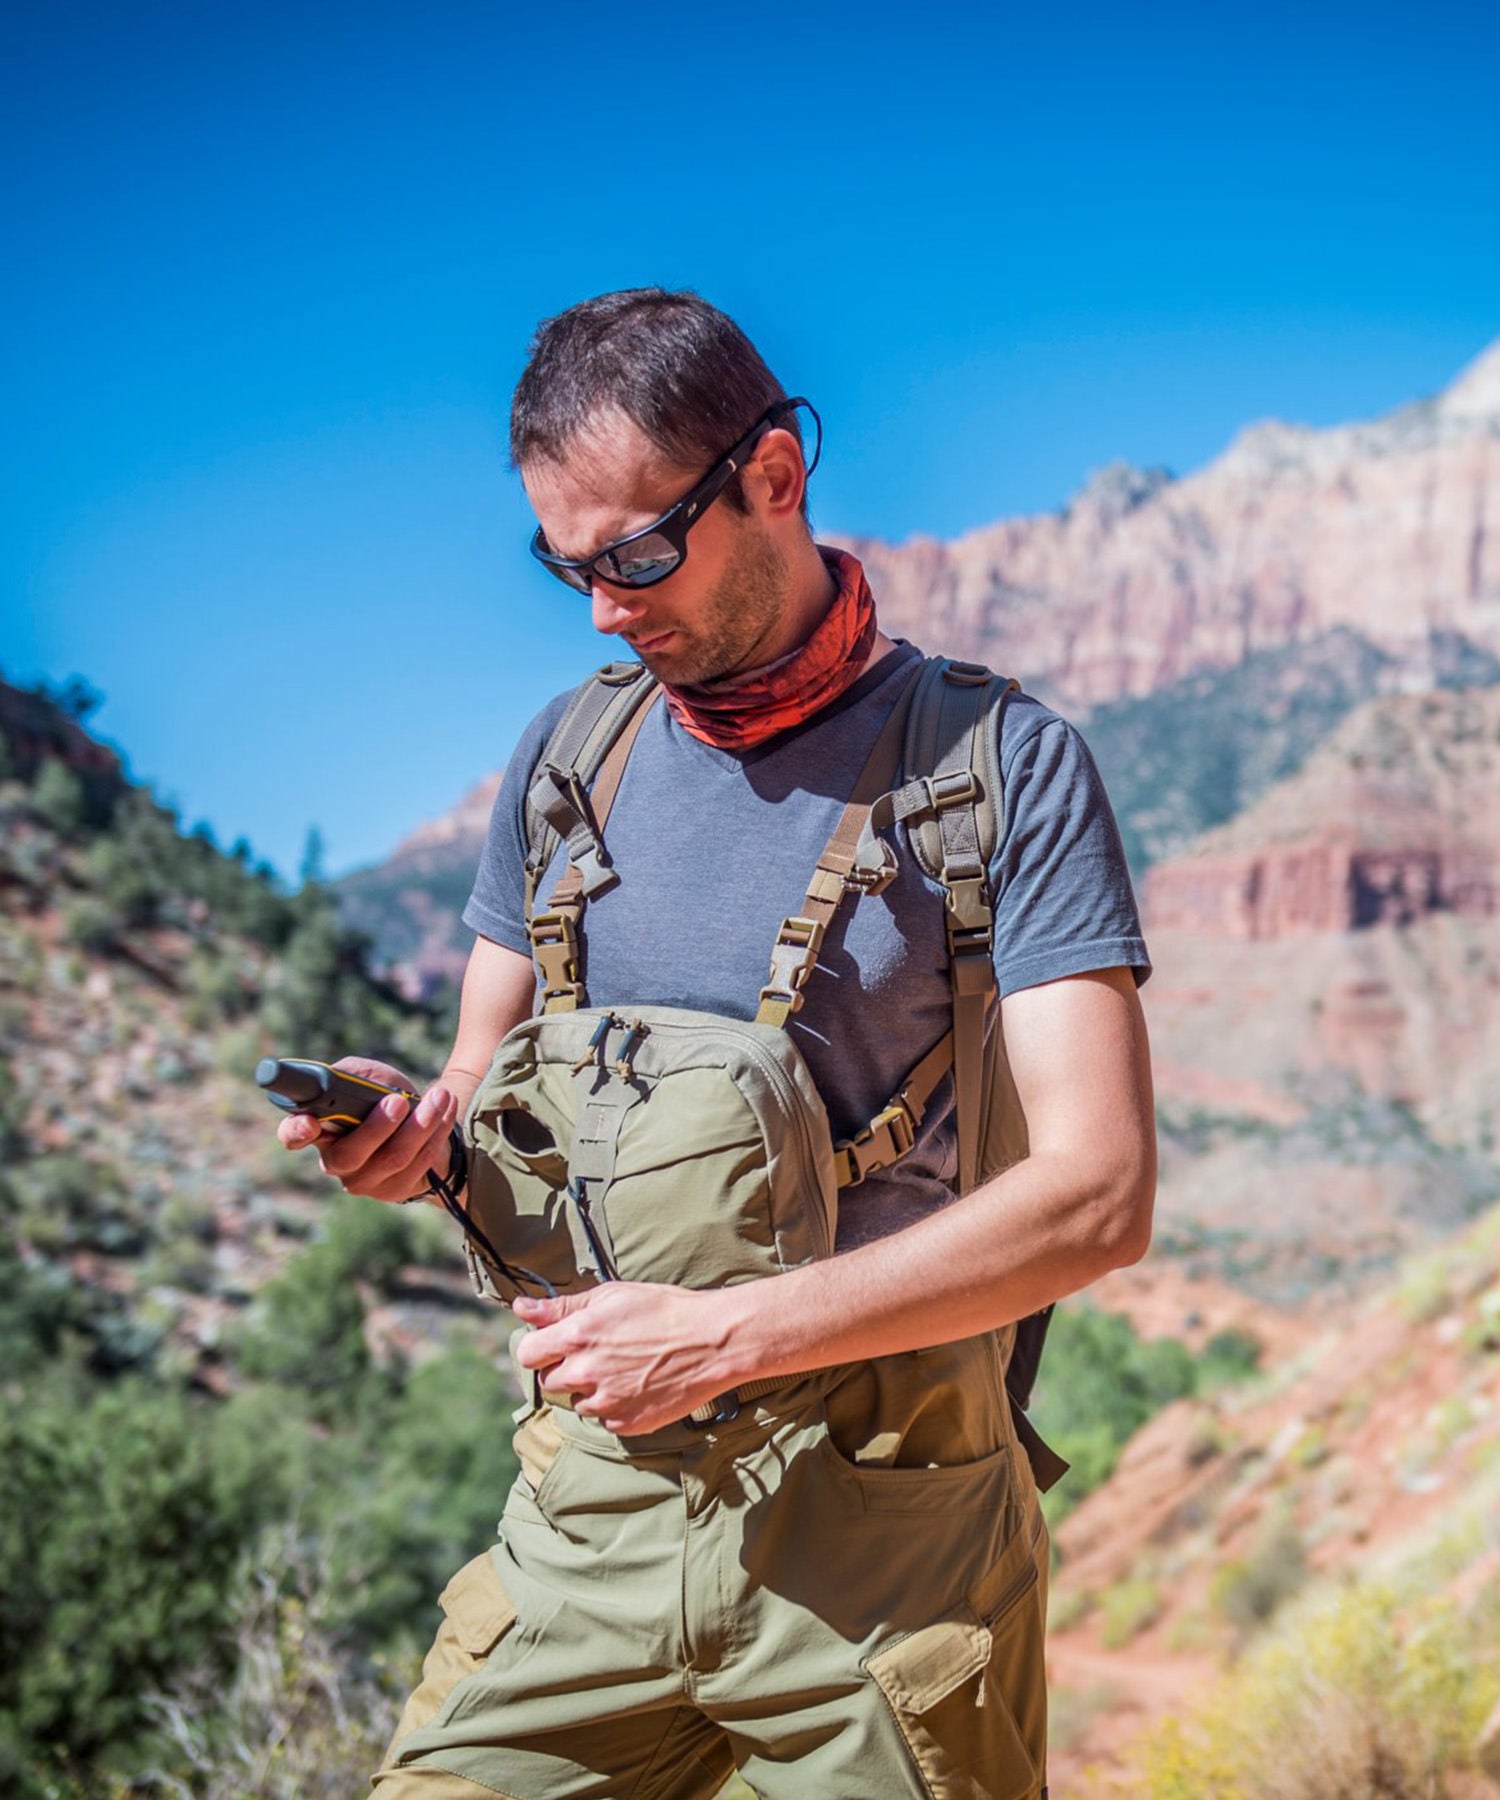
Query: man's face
x,y
714,614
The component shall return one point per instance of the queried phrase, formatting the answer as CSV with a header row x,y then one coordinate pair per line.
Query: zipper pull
x,y
595,1050
635,1032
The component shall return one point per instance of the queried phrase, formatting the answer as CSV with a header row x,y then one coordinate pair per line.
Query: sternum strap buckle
x,y
793,958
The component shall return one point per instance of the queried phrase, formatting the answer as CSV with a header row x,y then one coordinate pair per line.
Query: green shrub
x,y
114,1558
1229,1356
1248,1591
68,1203
57,797
1126,1610
90,924
1369,1694
1099,1384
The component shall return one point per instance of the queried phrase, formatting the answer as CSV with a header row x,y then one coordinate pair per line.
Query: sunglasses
x,y
659,549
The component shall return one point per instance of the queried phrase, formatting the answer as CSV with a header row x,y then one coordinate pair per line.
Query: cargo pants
x,y
841,1593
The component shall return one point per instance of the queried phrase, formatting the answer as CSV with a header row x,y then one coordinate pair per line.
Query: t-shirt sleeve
x,y
1063,899
497,906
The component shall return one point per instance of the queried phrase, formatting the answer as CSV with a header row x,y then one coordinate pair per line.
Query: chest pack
x,y
664,1144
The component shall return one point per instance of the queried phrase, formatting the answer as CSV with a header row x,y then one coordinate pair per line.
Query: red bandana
x,y
744,710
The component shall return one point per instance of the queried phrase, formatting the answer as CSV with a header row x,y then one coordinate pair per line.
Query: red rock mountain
x,y
1396,816
1390,528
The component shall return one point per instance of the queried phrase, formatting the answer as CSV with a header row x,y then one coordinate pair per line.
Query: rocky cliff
x,y
1396,816
1387,528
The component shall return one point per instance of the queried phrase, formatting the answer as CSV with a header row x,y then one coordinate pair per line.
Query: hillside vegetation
x,y
1310,1561
248,1427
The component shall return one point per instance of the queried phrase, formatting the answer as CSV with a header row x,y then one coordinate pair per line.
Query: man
x,y
841,1592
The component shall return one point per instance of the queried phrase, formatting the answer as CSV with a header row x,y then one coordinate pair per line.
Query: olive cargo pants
x,y
799,1593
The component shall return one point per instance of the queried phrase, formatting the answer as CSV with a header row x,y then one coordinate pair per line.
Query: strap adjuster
x,y
969,909
955,788
885,1140
554,947
793,957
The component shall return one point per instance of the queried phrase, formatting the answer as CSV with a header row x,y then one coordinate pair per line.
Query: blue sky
x,y
270,275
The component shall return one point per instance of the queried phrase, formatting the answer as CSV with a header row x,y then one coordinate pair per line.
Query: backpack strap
x,y
951,812
594,717
794,955
569,800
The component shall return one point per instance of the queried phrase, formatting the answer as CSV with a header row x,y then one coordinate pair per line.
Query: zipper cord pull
x,y
635,1032
595,1050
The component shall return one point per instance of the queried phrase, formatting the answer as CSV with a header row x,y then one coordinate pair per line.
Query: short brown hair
x,y
678,368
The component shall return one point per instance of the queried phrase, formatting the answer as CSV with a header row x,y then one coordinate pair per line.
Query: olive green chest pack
x,y
663,1144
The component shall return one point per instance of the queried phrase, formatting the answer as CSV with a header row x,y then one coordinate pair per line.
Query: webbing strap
x,y
577,742
893,1130
795,952
970,917
554,933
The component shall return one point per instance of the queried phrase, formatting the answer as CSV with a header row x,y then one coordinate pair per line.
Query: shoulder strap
x,y
951,811
954,731
595,717
795,952
578,774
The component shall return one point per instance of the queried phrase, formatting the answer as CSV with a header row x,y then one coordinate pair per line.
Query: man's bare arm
x,y
388,1156
638,1355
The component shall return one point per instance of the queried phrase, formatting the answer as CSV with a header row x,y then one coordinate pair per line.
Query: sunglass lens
x,y
643,561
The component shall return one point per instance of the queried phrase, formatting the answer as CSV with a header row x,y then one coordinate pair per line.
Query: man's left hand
x,y
633,1354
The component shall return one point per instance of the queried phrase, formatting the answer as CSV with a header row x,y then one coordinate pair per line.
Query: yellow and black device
x,y
332,1095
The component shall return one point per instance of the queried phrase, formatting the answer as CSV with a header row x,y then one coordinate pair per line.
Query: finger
x,y
545,1349
344,1156
537,1309
419,1146
298,1130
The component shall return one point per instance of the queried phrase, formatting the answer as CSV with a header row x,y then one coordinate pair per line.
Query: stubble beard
x,y
738,618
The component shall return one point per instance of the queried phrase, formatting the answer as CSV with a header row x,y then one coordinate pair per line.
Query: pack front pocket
x,y
968,1692
659,1145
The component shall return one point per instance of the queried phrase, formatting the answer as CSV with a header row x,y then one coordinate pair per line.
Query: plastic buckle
x,y
554,945
862,879
792,958
969,908
970,961
952,789
726,1409
885,1140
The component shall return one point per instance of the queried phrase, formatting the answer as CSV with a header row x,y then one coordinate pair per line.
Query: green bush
x,y
1099,1383
1126,1610
1248,1591
57,797
114,1558
1371,1693
68,1203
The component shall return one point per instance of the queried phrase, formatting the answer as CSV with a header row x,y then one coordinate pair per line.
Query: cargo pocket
x,y
969,1693
477,1614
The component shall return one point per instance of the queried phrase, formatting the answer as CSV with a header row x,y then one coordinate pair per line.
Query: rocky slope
x,y
1368,1457
1388,528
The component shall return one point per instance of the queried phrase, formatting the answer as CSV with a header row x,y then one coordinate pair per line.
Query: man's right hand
x,y
388,1155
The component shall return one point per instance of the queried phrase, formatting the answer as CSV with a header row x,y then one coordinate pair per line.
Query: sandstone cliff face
x,y
1390,528
1395,817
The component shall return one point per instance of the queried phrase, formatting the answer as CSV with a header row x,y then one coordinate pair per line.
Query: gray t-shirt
x,y
714,848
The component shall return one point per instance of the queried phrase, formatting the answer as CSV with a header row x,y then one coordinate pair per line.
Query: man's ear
x,y
776,478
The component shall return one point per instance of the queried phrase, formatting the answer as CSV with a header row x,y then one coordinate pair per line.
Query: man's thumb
x,y
536,1310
